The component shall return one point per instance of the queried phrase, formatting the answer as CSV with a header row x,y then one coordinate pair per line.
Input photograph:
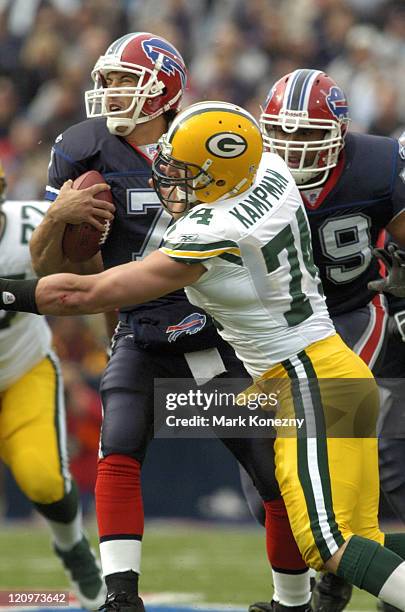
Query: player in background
x,y
243,251
139,84
32,410
353,188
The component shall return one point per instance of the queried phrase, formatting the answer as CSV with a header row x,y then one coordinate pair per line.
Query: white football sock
x,y
291,589
66,535
120,556
393,590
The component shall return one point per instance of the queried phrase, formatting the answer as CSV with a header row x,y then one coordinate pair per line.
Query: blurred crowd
x,y
235,50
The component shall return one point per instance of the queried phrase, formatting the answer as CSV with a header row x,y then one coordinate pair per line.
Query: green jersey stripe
x,y
193,246
231,258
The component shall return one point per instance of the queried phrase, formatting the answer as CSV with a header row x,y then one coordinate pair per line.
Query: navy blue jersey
x,y
362,195
139,222
90,146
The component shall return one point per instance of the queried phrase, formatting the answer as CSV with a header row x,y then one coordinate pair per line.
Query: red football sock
x,y
119,505
282,550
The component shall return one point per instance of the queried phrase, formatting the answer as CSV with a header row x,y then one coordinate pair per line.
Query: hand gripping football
x,y
80,242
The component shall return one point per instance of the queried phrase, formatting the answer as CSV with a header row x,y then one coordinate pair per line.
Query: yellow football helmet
x,y
3,184
211,151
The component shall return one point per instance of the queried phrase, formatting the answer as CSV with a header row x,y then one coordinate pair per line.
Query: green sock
x,y
367,564
64,519
62,511
396,543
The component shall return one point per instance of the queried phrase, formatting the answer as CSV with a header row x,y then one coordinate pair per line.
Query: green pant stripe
x,y
60,422
302,462
314,478
322,449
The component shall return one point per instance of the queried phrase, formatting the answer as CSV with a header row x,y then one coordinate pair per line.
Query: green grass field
x,y
213,564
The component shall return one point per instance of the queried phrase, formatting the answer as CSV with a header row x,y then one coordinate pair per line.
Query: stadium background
x,y
235,50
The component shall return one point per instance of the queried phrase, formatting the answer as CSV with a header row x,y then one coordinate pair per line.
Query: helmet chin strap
x,y
123,126
235,190
120,126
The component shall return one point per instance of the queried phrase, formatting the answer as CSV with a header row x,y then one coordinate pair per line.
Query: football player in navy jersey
x,y
138,85
353,187
262,286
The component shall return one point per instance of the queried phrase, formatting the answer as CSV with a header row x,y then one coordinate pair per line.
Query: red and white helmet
x,y
307,99
161,74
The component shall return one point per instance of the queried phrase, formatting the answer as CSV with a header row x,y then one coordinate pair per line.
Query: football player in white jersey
x,y
32,412
242,250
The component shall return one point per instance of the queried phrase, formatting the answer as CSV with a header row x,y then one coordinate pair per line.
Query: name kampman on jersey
x,y
260,272
24,338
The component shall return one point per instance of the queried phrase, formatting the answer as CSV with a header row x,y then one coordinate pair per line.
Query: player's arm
x,y
71,206
71,294
396,228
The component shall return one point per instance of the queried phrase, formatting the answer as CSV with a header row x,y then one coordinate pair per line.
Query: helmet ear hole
x,y
220,183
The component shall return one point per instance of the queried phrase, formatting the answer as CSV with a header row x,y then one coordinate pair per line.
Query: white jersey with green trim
x,y
24,338
261,285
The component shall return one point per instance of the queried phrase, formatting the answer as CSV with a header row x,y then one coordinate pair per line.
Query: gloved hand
x,y
394,259
396,324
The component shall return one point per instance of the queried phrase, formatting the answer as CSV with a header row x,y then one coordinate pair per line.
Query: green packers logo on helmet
x,y
226,144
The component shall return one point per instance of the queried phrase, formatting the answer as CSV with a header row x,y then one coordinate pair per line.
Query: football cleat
x,y
84,574
275,606
331,594
122,602
384,607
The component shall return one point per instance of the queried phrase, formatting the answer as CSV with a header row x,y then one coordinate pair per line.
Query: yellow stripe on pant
x,y
330,484
32,433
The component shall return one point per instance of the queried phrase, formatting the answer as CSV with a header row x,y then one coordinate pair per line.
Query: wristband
x,y
18,295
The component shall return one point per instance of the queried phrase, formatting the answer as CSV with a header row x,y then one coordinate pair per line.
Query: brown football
x,y
80,242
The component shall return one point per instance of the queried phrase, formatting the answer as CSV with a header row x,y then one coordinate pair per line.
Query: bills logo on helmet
x,y
337,103
189,325
269,96
226,144
154,46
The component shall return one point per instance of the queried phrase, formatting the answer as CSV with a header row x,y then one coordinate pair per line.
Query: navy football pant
x,y
127,391
392,426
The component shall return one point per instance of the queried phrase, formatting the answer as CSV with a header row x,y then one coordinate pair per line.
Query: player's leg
x,y
290,574
291,579
33,445
127,391
127,395
365,331
392,439
322,478
253,499
391,424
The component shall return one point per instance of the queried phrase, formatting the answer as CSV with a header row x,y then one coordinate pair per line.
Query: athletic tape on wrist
x,y
18,295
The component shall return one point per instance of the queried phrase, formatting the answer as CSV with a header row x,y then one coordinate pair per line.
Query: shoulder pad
x,y
82,140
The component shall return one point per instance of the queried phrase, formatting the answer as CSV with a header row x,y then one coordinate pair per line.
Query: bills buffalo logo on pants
x,y
170,65
191,324
337,103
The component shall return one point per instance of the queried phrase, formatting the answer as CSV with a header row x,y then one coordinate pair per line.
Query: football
x,y
80,242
